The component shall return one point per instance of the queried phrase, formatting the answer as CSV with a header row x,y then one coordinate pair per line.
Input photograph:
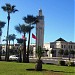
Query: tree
x,y
9,9
30,19
0,51
61,62
20,41
2,24
66,52
39,52
12,37
61,52
72,52
23,29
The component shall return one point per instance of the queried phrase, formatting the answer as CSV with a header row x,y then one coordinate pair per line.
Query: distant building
x,y
56,46
61,44
11,48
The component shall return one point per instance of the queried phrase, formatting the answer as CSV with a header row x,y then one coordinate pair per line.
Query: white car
x,y
13,57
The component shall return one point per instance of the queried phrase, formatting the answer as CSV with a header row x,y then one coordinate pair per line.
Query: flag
x,y
23,37
33,36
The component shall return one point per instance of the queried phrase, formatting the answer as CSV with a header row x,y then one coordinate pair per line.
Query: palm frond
x,y
17,28
8,5
29,28
13,6
30,19
4,8
19,40
14,10
9,8
2,24
11,36
23,28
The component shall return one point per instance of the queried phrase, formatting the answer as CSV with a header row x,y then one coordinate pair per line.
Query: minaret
x,y
40,30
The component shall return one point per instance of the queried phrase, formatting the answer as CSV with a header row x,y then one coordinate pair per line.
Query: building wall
x,y
57,45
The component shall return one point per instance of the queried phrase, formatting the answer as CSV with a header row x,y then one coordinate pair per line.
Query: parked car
x,y
13,57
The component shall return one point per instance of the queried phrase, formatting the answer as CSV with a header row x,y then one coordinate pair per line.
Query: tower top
x,y
40,12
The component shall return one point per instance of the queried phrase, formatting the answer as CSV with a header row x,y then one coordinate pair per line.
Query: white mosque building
x,y
56,45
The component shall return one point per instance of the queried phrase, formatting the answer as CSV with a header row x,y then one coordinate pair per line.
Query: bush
x,y
68,63
72,64
62,63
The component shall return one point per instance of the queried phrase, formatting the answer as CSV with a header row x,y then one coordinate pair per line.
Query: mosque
x,y
58,44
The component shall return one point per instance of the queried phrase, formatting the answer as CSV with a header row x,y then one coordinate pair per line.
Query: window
x,y
71,46
51,46
61,46
64,46
74,47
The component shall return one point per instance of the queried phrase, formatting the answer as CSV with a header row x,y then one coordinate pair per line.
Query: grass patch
x,y
13,68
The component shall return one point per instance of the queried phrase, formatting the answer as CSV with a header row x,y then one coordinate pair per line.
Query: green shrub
x,y
68,63
72,64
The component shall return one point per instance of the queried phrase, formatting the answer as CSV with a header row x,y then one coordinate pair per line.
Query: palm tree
x,y
39,52
20,41
12,37
23,29
2,24
9,9
30,19
9,39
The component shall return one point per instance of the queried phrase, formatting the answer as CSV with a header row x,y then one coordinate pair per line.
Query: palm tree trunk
x,y
28,48
13,42
7,50
0,49
0,39
24,51
9,44
20,59
0,54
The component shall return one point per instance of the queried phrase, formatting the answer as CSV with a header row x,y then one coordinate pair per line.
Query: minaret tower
x,y
40,30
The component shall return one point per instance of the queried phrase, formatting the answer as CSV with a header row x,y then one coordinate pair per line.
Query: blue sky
x,y
59,17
